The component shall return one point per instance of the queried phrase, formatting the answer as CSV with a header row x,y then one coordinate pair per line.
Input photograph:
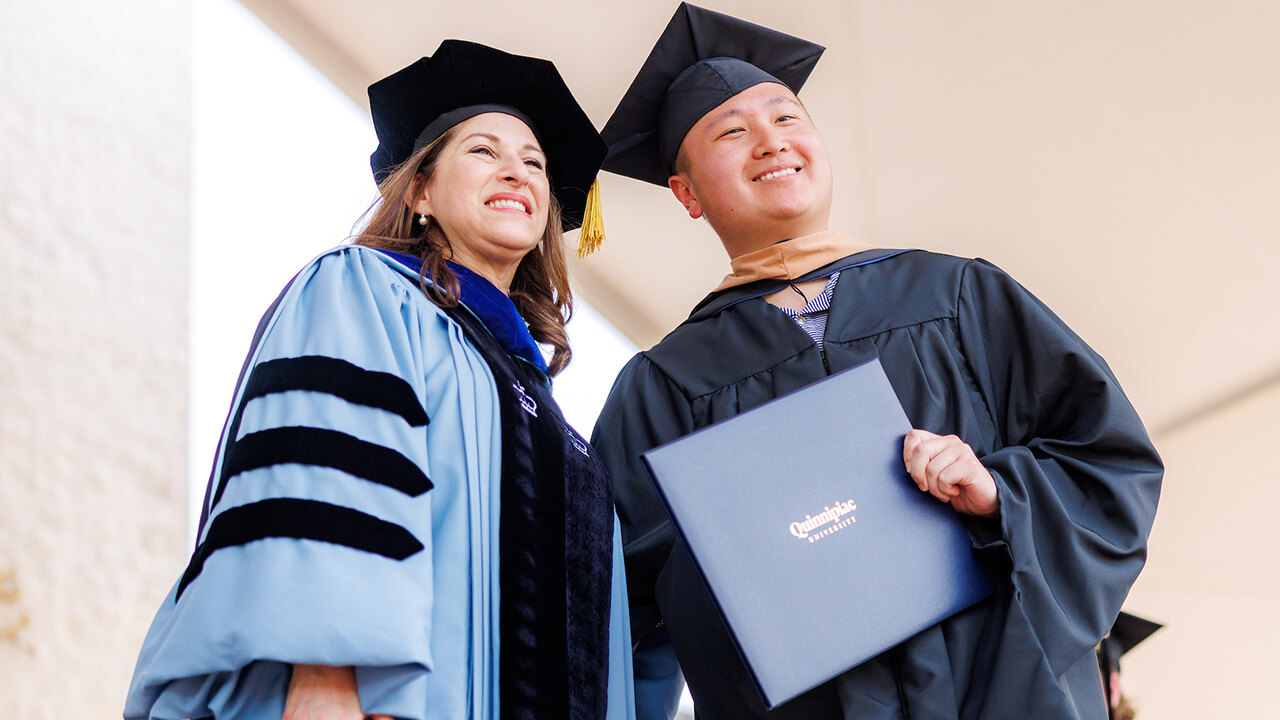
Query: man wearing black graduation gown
x,y
1021,427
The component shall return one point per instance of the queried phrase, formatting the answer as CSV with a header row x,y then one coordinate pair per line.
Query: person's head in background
x,y
1128,631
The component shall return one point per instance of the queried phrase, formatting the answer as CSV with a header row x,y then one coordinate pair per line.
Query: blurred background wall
x,y
1119,159
95,127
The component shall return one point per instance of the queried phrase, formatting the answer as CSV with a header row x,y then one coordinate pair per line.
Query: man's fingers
x,y
919,450
938,464
947,468
912,442
938,472
918,462
960,473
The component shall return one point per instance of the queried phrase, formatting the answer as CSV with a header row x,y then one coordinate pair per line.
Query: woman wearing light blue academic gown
x,y
399,522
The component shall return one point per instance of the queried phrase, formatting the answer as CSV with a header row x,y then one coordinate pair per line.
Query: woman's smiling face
x,y
489,192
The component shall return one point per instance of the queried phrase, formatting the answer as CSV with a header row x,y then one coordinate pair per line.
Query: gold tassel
x,y
592,233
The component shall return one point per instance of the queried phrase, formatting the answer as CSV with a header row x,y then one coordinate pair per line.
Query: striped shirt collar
x,y
821,303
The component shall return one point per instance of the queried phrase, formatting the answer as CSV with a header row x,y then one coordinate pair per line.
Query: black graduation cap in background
x,y
702,59
463,79
1128,631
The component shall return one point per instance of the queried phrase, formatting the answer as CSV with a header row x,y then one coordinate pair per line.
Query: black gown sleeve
x,y
1077,475
644,409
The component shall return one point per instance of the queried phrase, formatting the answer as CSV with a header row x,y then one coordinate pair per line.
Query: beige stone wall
x,y
94,214
1213,572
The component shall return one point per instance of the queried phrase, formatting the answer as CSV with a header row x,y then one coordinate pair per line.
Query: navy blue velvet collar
x,y
492,306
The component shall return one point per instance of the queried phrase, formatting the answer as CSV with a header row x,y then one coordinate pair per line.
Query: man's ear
x,y
683,191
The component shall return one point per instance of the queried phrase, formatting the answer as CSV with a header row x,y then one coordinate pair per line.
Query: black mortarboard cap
x,y
462,79
702,59
1128,631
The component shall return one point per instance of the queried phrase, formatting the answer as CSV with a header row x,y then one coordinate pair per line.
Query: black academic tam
x,y
419,103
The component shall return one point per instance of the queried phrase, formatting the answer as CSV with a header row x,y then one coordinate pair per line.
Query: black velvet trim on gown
x,y
555,550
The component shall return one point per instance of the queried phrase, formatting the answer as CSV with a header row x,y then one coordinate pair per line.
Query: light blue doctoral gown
x,y
422,631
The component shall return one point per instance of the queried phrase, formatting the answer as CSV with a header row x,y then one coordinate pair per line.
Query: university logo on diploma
x,y
818,549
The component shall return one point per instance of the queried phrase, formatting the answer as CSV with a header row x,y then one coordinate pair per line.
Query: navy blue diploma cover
x,y
817,547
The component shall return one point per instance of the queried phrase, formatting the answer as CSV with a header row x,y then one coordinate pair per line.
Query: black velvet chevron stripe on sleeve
x,y
317,373
304,520
323,448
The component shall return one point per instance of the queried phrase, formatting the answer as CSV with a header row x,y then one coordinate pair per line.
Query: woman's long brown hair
x,y
540,289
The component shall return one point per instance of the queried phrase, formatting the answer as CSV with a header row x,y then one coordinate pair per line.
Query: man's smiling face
x,y
757,168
